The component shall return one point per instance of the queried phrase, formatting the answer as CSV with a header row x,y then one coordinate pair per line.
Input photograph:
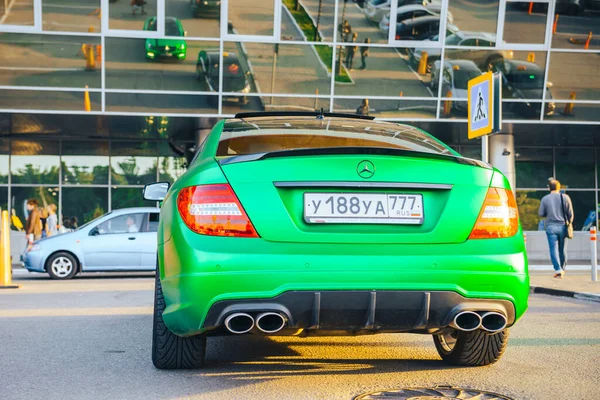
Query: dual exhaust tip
x,y
490,321
266,322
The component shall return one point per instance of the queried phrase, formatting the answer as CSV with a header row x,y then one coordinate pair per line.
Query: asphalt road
x,y
90,338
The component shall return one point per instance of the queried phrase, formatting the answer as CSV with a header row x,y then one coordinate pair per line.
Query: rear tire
x,y
170,351
473,349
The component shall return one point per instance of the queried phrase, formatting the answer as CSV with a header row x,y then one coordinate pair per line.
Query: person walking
x,y
52,220
557,208
33,228
364,53
363,109
350,51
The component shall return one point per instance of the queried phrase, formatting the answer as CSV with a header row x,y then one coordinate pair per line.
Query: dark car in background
x,y
206,8
524,80
166,48
235,78
456,75
421,28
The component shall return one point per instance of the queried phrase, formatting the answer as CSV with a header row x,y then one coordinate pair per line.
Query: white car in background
x,y
375,10
412,11
456,75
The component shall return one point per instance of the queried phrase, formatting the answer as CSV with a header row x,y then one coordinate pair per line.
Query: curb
x,y
566,293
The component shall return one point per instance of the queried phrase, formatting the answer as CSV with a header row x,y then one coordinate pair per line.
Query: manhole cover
x,y
435,393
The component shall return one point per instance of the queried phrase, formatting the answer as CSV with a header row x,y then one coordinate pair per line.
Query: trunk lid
x,y
272,190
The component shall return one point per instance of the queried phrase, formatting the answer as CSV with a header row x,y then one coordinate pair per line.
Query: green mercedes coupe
x,y
326,224
166,48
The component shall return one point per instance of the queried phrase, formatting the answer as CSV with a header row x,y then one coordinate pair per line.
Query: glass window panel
x,y
576,19
301,24
79,16
162,103
170,165
512,110
133,163
574,73
576,112
298,69
128,197
522,27
575,167
471,152
528,203
583,204
4,151
48,100
85,162
251,17
233,104
453,109
45,195
34,162
200,18
48,60
3,198
156,64
533,166
127,223
17,13
135,15
388,73
482,18
387,108
85,204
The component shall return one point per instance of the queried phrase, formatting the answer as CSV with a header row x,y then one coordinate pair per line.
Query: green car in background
x,y
166,48
320,224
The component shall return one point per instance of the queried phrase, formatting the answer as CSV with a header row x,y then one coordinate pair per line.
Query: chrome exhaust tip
x,y
239,323
493,321
270,322
466,321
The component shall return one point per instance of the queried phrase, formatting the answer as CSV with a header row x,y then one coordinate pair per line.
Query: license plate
x,y
363,208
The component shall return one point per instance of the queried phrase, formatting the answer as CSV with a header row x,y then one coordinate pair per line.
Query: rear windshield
x,y
265,135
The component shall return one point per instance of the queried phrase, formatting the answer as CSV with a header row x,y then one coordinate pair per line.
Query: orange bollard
x,y
316,98
531,57
91,29
568,111
400,94
87,104
530,8
555,24
90,59
587,42
422,70
99,53
448,105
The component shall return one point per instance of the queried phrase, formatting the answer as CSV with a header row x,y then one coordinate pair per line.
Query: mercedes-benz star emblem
x,y
365,169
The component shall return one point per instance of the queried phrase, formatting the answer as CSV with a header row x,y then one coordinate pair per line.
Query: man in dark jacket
x,y
350,51
363,109
34,224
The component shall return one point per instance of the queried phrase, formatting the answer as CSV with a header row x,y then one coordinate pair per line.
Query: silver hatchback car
x,y
122,240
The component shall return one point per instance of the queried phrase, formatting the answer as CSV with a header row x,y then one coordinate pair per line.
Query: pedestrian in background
x,y
363,109
43,219
33,228
137,4
66,226
364,53
74,223
344,29
350,51
52,221
557,208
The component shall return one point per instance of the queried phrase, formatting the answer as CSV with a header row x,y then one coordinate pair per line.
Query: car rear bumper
x,y
198,272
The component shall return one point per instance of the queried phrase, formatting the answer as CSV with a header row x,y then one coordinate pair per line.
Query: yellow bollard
x,y
422,70
91,29
531,57
87,104
448,105
5,261
569,107
90,58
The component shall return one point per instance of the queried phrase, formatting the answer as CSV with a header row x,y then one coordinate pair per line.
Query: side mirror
x,y
156,191
94,232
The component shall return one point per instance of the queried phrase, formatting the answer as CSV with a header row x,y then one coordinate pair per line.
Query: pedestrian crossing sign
x,y
484,106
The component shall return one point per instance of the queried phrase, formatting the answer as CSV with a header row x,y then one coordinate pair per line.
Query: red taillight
x,y
499,217
214,210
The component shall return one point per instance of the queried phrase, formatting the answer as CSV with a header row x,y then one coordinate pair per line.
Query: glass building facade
x,y
98,98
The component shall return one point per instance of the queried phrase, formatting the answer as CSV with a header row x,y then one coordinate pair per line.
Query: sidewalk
x,y
577,284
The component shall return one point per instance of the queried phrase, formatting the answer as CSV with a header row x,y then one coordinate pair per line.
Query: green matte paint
x,y
196,270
